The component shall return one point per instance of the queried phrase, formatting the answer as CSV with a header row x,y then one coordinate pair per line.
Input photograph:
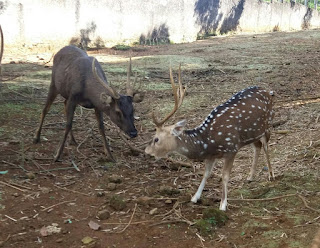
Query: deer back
x,y
241,120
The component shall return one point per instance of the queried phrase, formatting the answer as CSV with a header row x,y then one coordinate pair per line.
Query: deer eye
x,y
156,140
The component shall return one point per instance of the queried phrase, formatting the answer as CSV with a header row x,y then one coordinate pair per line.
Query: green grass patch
x,y
121,47
212,218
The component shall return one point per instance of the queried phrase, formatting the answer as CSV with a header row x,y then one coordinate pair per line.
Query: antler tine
x,y
130,88
178,99
111,91
182,90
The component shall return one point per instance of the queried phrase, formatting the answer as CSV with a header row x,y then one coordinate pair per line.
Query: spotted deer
x,y
80,79
242,120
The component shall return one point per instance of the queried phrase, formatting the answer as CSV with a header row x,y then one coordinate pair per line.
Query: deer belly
x,y
86,104
248,136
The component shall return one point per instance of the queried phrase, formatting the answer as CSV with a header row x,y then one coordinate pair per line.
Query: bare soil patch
x,y
140,202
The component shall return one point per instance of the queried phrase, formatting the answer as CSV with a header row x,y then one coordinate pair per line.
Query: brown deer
x,y
81,80
244,119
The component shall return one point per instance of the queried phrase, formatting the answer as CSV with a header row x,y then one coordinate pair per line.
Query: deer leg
x,y
209,166
72,139
228,163
264,141
70,108
51,96
107,151
256,150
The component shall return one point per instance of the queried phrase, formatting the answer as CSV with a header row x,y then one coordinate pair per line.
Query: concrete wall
x,y
54,22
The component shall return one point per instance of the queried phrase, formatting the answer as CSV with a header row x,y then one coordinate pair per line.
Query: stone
x,y
103,214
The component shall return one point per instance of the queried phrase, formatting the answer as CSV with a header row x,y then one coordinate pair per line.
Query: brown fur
x,y
73,78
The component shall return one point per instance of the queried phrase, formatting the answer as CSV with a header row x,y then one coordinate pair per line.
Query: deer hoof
x,y
36,140
56,158
194,199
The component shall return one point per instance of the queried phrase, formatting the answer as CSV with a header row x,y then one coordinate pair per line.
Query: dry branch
x,y
55,205
134,210
70,190
14,187
280,197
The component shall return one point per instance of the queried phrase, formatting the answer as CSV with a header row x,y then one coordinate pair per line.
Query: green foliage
x,y
310,3
212,218
121,47
203,36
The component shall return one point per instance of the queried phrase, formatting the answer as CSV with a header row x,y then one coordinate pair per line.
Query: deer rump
x,y
80,79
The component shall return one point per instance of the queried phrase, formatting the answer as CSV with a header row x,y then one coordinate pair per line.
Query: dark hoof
x,y
36,140
56,159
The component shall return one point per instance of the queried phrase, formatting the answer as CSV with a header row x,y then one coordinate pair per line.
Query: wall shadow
x,y
210,20
232,21
158,35
208,17
83,40
306,19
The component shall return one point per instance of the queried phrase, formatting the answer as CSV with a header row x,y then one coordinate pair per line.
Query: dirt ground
x,y
140,202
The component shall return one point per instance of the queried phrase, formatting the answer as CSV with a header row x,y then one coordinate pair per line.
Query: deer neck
x,y
210,138
192,145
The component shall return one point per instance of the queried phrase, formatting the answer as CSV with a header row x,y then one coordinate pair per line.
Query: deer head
x,y
164,140
118,107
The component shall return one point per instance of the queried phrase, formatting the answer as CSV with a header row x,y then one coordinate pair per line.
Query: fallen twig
x,y
201,239
16,165
170,221
70,190
279,197
132,223
263,199
55,205
21,186
134,210
10,218
306,204
14,187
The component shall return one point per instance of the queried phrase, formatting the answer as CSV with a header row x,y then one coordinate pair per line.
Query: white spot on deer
x,y
219,133
205,146
243,103
253,106
184,149
212,141
228,139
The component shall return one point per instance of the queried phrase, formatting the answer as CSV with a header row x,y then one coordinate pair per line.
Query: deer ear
x,y
106,99
138,97
178,128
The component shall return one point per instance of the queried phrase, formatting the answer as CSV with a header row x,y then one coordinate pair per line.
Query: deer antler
x,y
130,87
178,94
111,91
